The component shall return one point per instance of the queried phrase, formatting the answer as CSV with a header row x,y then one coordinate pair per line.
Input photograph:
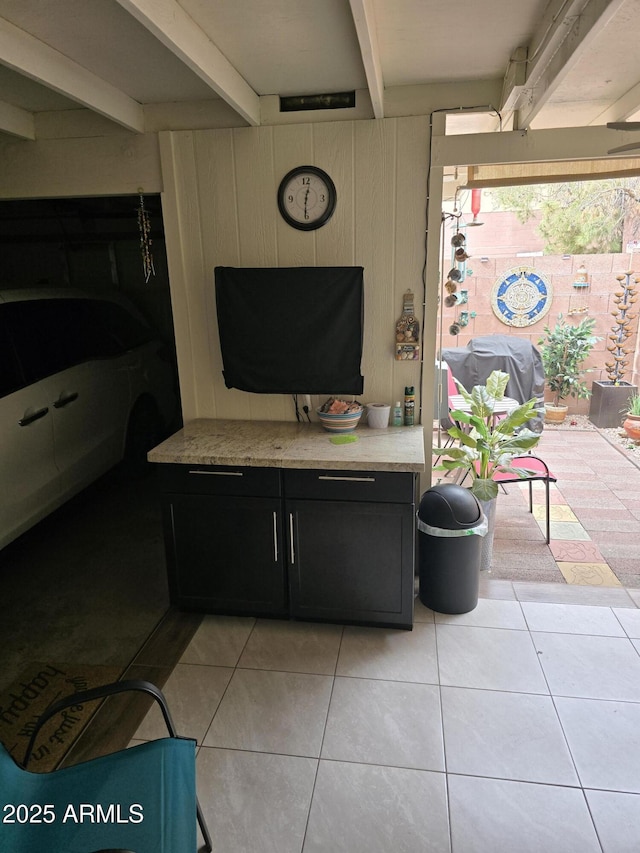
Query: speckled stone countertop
x,y
282,444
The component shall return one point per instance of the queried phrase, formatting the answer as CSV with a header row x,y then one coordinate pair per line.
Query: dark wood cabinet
x,y
223,534
351,546
326,545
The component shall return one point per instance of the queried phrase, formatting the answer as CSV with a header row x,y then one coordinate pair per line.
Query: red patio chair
x,y
539,472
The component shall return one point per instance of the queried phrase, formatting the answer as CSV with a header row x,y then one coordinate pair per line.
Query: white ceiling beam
x,y
35,59
180,34
566,32
622,109
16,121
364,19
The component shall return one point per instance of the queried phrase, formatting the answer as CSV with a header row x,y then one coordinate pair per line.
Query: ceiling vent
x,y
334,101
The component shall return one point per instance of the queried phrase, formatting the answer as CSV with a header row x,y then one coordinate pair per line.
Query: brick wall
x,y
489,262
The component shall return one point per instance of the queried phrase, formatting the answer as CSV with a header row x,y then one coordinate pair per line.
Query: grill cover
x,y
472,364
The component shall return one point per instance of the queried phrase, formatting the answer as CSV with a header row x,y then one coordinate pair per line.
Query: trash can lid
x,y
450,507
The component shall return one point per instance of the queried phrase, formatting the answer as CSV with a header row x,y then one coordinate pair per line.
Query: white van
x,y
84,382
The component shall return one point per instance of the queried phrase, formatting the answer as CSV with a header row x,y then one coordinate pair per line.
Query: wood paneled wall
x,y
220,208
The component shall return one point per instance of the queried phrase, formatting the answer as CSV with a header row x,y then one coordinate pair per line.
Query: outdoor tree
x,y
578,217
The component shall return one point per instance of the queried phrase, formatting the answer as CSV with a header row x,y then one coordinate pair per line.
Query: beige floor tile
x,y
255,802
565,530
617,819
219,640
489,613
603,739
360,808
505,735
488,658
498,816
390,654
193,694
589,667
292,647
279,712
393,723
574,618
557,512
588,574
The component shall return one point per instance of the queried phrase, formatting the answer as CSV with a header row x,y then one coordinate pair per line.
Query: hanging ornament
x,y
144,227
407,331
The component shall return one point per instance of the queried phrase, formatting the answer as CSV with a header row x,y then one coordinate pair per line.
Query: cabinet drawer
x,y
321,484
220,480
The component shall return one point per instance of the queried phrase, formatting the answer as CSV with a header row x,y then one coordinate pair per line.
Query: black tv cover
x,y
291,330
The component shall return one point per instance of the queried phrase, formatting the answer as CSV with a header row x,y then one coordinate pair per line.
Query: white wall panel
x,y
224,189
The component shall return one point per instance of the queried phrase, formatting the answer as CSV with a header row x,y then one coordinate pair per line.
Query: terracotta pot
x,y
555,414
631,426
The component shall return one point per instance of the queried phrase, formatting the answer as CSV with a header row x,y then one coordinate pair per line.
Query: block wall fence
x,y
489,262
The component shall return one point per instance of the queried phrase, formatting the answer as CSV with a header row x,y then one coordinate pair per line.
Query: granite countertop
x,y
283,444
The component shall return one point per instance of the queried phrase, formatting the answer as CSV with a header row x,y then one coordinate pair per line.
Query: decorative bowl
x,y
345,422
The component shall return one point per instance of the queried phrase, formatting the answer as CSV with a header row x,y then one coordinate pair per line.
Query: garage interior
x,y
187,101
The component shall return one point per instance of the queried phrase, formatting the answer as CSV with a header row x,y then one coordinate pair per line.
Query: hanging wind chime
x,y
144,227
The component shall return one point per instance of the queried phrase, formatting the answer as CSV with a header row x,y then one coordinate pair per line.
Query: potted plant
x,y
631,423
488,445
563,351
611,393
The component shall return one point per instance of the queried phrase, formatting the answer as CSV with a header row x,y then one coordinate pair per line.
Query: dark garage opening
x,y
87,584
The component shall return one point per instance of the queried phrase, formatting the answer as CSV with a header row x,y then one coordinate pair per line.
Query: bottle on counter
x,y
409,405
397,418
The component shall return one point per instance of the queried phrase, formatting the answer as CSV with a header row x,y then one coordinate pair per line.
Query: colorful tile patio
x,y
594,515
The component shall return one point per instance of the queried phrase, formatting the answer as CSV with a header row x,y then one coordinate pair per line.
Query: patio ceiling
x,y
569,63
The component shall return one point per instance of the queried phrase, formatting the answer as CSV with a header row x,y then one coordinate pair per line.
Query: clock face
x,y
306,197
521,296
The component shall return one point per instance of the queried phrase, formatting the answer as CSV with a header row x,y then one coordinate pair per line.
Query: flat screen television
x,y
291,330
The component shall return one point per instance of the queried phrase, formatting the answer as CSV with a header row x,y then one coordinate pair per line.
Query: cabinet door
x,y
224,554
351,561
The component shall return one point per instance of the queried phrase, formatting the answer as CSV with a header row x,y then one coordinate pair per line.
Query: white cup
x,y
378,415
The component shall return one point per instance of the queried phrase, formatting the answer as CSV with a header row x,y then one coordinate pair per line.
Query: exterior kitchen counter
x,y
282,444
271,518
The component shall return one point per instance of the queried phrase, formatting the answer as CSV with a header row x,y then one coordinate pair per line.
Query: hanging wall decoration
x,y
521,296
407,331
144,227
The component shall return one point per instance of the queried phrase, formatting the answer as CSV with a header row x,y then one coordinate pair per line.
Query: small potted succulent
x,y
631,423
564,350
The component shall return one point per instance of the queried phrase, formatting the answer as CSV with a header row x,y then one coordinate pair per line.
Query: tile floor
x,y
511,729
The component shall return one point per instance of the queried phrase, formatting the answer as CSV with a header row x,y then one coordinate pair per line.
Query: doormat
x,y
39,686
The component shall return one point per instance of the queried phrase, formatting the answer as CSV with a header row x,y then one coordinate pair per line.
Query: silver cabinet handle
x,y
220,473
292,553
348,479
275,536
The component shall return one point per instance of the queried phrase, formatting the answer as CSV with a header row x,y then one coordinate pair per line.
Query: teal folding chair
x,y
138,800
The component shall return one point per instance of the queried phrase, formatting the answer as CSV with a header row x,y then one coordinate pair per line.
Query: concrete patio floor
x,y
595,517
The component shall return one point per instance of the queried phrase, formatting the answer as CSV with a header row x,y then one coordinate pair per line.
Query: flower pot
x,y
555,414
608,402
631,426
486,552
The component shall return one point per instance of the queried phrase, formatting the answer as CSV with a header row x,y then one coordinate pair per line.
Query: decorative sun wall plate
x,y
521,296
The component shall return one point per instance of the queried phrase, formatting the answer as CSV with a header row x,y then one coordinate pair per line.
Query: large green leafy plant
x,y
488,445
563,351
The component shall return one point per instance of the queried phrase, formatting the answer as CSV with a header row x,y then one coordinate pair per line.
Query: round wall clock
x,y
521,296
306,198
